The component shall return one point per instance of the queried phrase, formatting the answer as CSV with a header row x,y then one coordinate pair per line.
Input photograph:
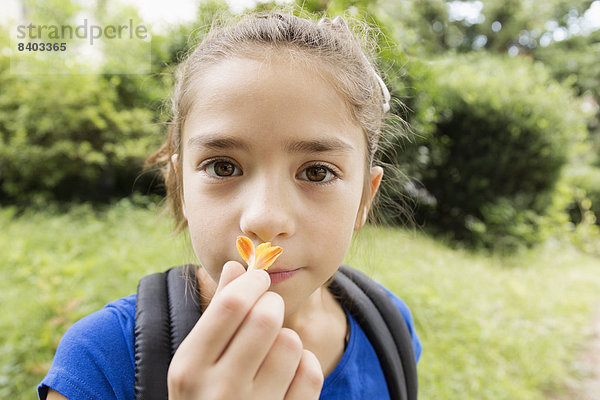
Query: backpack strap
x,y
385,327
167,308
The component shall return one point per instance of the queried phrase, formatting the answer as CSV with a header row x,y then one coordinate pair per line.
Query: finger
x,y
224,315
231,270
280,364
308,380
256,335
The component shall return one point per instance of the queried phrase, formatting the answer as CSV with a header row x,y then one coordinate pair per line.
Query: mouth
x,y
280,275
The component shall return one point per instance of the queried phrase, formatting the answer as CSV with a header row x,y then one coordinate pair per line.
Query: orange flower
x,y
262,258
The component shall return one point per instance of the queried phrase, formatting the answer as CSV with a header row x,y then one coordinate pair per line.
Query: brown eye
x,y
319,173
316,174
220,168
223,168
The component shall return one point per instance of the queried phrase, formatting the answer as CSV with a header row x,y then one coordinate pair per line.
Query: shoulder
x,y
408,318
102,328
359,374
364,282
95,357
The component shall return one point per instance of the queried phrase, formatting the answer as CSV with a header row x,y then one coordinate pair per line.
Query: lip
x,y
280,275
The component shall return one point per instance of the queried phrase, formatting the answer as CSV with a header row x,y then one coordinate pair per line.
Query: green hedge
x,y
491,136
64,138
75,137
587,197
84,137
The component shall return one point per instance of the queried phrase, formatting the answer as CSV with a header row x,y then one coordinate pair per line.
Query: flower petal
x,y
260,258
262,247
266,255
245,247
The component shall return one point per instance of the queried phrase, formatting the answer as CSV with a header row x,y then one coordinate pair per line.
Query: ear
x,y
175,165
375,180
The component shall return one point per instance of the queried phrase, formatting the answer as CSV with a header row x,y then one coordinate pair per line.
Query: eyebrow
x,y
223,142
217,142
318,146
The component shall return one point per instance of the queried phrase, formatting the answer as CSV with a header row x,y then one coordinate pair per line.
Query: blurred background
x,y
487,224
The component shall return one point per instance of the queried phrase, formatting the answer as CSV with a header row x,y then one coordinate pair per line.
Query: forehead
x,y
273,98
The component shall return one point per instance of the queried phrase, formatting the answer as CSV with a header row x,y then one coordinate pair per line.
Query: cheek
x,y
210,251
207,225
334,225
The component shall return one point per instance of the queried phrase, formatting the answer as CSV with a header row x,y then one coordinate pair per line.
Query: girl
x,y
275,123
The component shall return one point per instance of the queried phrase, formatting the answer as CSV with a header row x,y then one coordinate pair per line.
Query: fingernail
x,y
264,275
225,268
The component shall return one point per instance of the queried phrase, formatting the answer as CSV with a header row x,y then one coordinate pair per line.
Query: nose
x,y
267,210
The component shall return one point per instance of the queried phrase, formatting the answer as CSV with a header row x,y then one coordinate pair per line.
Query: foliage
x,y
575,62
575,59
492,140
55,12
586,180
497,26
58,268
64,137
75,137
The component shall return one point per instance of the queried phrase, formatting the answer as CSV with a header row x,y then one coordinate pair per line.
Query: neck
x,y
207,287
321,324
317,303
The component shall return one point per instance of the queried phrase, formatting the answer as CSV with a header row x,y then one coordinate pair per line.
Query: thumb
x,y
231,270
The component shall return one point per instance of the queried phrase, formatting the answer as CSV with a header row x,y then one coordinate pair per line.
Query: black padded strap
x,y
152,338
395,322
167,308
184,303
385,327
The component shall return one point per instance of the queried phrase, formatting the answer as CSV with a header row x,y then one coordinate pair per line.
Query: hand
x,y
239,350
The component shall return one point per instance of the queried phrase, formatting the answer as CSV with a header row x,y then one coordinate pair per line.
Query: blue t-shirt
x,y
95,359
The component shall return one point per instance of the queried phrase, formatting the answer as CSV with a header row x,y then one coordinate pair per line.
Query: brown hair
x,y
330,45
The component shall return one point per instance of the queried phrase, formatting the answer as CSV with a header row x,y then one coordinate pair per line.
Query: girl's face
x,y
270,151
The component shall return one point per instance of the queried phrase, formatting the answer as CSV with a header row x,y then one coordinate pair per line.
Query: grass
x,y
492,327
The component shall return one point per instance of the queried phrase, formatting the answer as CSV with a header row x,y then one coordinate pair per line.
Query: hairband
x,y
339,22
